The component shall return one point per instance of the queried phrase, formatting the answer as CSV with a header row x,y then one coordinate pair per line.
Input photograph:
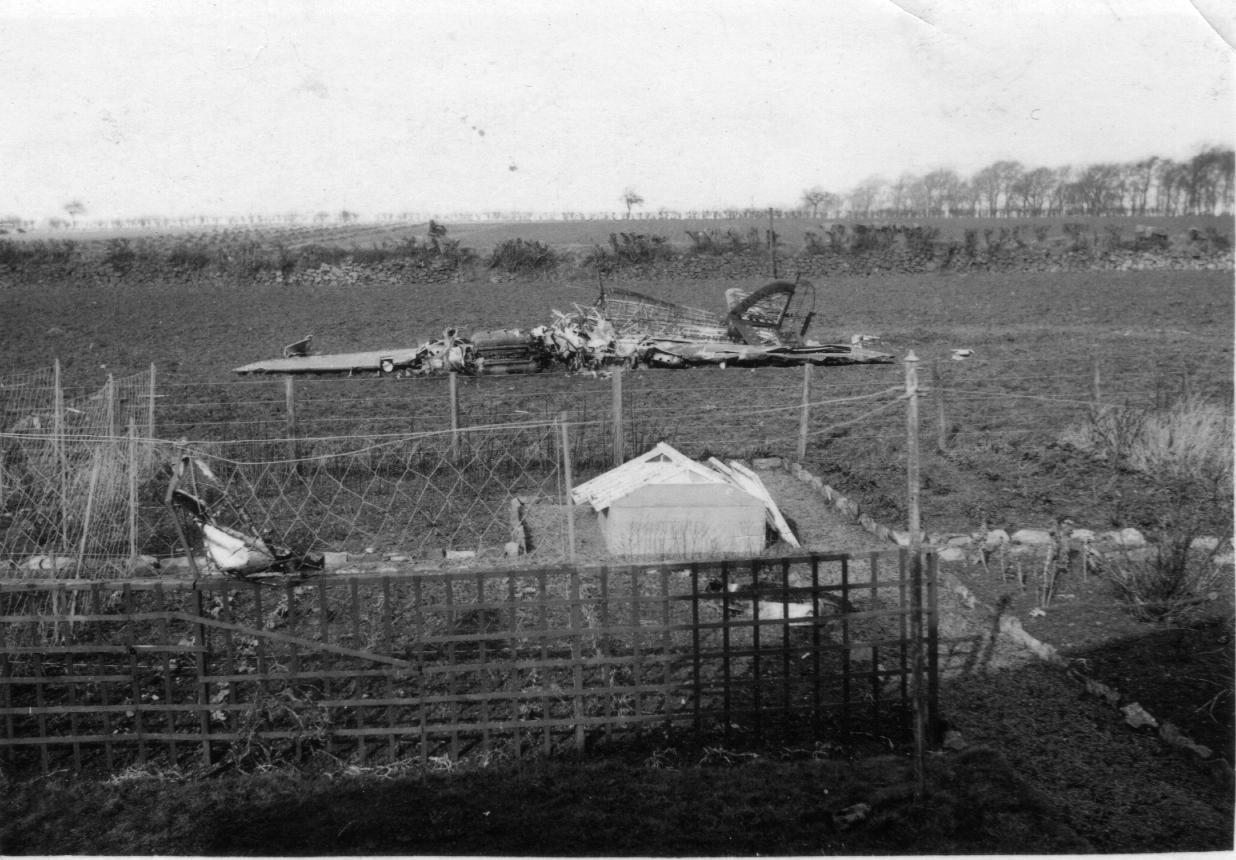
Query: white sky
x,y
549,105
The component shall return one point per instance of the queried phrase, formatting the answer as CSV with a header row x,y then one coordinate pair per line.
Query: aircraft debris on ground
x,y
765,327
229,541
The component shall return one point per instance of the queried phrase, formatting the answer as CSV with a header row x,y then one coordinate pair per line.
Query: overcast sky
x,y
547,105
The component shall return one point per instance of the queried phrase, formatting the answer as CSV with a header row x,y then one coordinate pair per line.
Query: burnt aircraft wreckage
x,y
766,327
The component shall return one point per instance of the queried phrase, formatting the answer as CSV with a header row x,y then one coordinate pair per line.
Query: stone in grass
x,y
995,539
844,819
1137,716
1032,537
1172,735
952,553
334,560
766,463
1129,538
954,741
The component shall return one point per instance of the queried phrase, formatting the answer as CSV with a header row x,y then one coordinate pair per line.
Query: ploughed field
x,y
1035,340
1034,337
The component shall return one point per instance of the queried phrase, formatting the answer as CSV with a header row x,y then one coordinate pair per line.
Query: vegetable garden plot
x,y
99,675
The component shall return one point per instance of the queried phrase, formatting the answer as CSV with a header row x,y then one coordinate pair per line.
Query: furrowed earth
x,y
1048,768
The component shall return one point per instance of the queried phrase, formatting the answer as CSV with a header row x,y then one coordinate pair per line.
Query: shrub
x,y
1190,441
519,256
313,256
971,243
814,245
120,255
38,253
634,248
1076,232
1218,241
710,242
1114,239
186,255
1174,582
921,241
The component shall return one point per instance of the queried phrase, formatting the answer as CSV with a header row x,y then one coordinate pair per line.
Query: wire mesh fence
x,y
70,466
426,465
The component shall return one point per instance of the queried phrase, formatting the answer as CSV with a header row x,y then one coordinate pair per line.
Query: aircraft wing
x,y
376,361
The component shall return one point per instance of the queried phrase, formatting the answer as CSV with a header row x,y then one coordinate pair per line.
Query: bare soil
x,y
1071,775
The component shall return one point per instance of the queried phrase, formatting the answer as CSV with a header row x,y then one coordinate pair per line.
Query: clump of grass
x,y
1186,452
1191,441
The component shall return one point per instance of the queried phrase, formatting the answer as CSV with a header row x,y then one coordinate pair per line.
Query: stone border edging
x,y
1011,628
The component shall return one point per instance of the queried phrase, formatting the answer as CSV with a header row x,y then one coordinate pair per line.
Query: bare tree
x,y
1032,189
1010,172
993,183
1208,179
813,197
631,197
899,193
1100,188
865,195
941,188
73,209
1058,200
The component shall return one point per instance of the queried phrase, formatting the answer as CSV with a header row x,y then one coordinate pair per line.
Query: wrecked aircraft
x,y
766,327
230,544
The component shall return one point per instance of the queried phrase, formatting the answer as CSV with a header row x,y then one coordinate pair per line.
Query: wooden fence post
x,y
110,388
619,431
937,383
565,436
289,403
916,573
150,408
772,242
577,663
453,387
133,466
912,452
804,419
59,455
1095,390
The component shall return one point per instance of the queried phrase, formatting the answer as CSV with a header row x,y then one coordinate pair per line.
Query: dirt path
x,y
818,526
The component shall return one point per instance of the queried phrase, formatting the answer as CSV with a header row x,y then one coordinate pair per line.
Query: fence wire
x,y
70,468
374,464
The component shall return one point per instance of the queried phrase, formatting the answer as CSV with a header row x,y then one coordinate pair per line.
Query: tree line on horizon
x,y
1200,185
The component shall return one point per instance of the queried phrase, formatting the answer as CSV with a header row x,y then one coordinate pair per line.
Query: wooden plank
x,y
135,681
168,690
224,582
761,492
98,648
577,674
388,638
276,636
203,687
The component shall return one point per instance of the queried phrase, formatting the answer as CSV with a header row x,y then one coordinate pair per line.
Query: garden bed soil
x,y
1180,672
